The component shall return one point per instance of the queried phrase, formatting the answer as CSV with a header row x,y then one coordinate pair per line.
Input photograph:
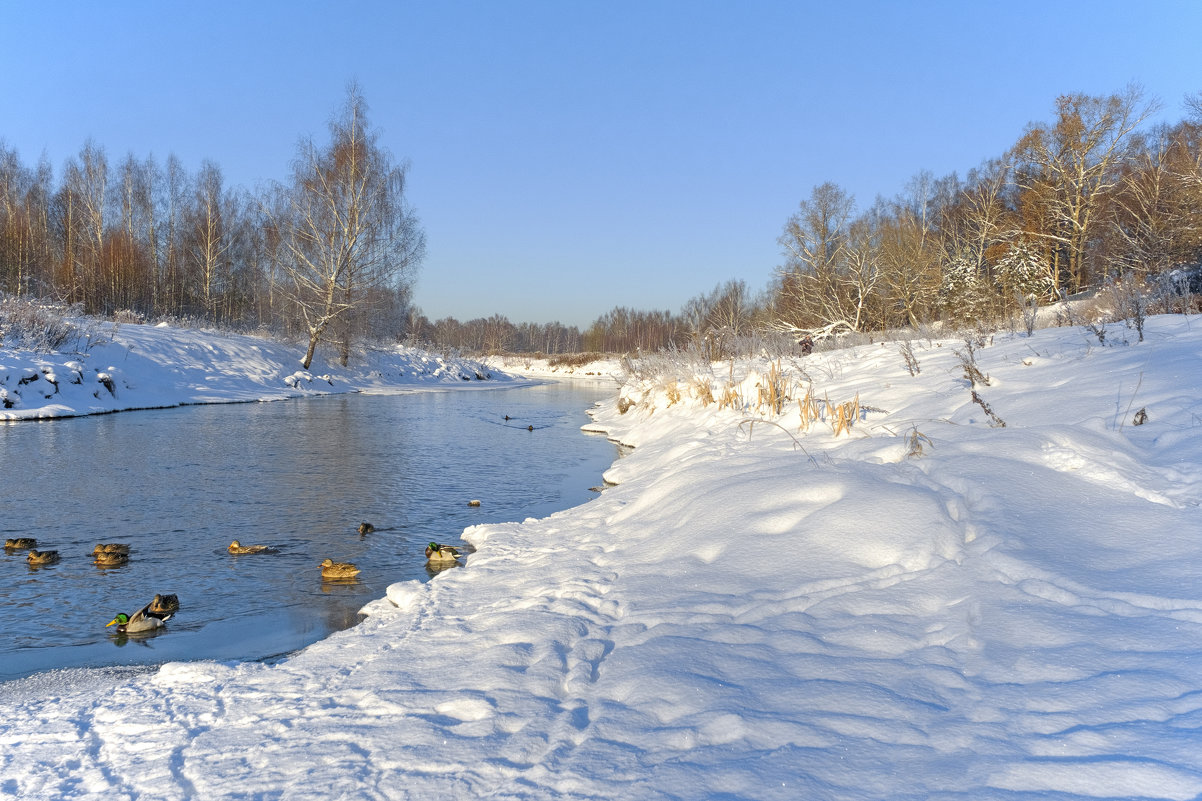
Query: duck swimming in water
x,y
110,558
20,544
441,553
141,621
338,570
163,606
366,528
42,557
238,548
111,547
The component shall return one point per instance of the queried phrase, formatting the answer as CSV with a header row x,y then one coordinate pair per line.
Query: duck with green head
x,y
141,621
441,553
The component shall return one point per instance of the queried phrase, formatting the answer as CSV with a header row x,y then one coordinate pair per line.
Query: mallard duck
x,y
473,502
441,553
237,548
21,544
366,528
111,547
338,570
109,558
141,621
42,557
163,606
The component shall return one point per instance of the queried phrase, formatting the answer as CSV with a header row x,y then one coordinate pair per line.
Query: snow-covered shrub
x,y
1176,291
128,316
1028,308
907,351
964,291
1025,270
35,325
1098,329
1131,303
968,361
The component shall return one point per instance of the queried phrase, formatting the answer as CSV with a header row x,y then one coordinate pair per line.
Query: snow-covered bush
x,y
1026,271
129,316
1176,291
964,291
35,325
1130,300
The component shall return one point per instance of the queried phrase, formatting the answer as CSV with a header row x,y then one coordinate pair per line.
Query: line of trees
x,y
729,311
1084,199
330,255
495,334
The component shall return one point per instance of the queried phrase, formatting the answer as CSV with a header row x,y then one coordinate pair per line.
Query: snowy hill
x,y
925,604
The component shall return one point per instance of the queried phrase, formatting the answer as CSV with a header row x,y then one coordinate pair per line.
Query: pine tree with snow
x,y
963,291
1025,271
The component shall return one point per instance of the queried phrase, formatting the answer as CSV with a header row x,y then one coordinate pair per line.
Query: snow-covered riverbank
x,y
141,367
927,606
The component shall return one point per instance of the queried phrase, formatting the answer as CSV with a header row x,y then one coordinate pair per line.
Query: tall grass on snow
x,y
767,390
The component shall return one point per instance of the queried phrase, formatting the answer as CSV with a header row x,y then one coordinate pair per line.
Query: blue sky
x,y
568,157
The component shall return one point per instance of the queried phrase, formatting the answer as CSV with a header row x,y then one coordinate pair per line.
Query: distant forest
x,y
1091,196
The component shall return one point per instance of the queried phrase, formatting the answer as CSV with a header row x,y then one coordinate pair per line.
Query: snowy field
x,y
926,606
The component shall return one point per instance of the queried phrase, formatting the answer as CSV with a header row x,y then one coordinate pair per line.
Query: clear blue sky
x,y
568,157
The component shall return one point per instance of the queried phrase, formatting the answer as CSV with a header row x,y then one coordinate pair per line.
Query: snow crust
x,y
752,612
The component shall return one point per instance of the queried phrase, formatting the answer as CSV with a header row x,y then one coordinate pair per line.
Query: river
x,y
180,484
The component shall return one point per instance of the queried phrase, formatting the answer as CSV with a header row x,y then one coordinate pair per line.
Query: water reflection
x,y
179,485
124,638
434,568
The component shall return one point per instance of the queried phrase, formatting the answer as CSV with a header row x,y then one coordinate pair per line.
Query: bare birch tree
x,y
1074,164
814,241
348,227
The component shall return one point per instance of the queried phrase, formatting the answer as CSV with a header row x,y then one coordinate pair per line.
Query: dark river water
x,y
180,484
